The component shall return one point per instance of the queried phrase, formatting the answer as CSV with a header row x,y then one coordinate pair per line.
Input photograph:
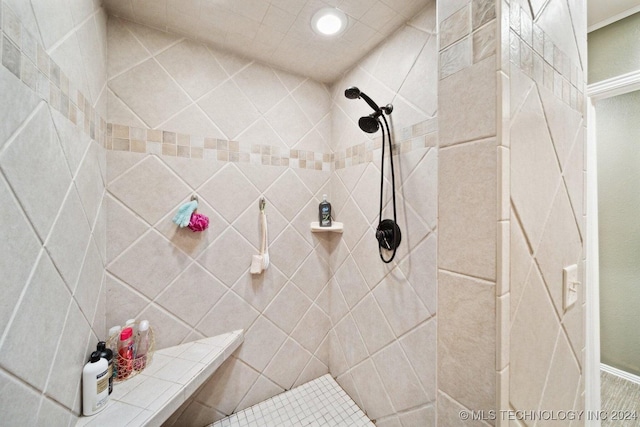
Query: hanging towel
x,y
183,216
260,262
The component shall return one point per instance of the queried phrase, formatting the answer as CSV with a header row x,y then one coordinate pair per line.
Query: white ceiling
x,y
607,11
277,31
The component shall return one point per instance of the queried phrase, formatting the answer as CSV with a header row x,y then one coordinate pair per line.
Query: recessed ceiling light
x,y
329,21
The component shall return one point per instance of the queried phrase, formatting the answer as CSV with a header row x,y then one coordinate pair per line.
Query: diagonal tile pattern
x,y
545,341
290,297
51,191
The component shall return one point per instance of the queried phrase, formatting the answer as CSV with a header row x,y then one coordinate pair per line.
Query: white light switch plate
x,y
570,285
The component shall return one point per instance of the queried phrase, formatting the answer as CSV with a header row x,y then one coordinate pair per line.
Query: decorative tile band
x,y
467,36
23,56
166,143
533,52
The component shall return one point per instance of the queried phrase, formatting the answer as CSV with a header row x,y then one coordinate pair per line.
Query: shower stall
x,y
471,194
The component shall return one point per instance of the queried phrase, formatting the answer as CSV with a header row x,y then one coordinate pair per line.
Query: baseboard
x,y
620,373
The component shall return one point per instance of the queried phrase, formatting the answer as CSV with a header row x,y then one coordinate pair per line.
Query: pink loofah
x,y
198,222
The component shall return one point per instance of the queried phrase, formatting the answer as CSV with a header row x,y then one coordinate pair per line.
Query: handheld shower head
x,y
352,92
355,93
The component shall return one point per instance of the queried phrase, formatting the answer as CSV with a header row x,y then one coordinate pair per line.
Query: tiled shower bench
x,y
149,398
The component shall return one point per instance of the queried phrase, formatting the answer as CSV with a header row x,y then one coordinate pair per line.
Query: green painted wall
x,y
618,136
614,49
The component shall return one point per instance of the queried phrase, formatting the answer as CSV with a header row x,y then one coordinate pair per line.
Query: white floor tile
x,y
318,403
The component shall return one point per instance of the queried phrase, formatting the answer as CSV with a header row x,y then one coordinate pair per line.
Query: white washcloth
x,y
265,242
260,262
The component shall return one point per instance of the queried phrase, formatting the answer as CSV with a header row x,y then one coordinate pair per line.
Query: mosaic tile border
x,y
535,54
467,37
27,59
167,143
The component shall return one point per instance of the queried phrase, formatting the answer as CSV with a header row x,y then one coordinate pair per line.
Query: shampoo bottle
x,y
142,345
107,354
95,384
325,212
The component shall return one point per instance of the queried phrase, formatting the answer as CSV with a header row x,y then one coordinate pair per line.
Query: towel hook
x,y
262,204
194,198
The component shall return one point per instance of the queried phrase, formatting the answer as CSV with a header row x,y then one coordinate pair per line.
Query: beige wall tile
x,y
35,156
560,246
372,324
16,397
467,340
455,27
288,307
455,58
193,67
563,378
18,253
74,336
468,209
287,364
262,341
398,378
89,291
484,42
533,184
42,310
466,104
483,11
419,346
124,49
230,110
449,413
312,328
68,240
149,91
531,348
149,265
228,386
400,304
371,389
189,296
54,20
137,189
14,113
351,283
349,341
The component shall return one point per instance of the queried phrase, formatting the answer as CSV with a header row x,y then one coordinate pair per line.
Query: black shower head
x,y
354,93
369,123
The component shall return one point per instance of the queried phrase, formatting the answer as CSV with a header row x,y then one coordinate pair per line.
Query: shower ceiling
x,y
277,32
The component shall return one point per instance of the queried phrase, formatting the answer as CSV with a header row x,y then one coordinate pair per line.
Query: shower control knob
x,y
388,235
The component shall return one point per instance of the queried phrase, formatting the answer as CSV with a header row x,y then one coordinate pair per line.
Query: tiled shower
x,y
109,125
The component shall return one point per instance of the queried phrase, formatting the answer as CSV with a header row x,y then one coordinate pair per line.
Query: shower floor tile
x,y
318,403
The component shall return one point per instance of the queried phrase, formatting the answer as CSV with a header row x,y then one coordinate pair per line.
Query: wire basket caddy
x,y
128,368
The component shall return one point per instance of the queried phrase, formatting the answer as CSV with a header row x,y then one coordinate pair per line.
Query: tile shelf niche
x,y
152,396
336,227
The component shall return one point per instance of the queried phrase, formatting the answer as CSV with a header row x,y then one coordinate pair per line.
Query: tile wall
x,y
52,172
509,88
383,335
543,69
229,178
468,255
206,122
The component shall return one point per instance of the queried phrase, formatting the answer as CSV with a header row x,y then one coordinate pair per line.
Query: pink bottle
x,y
125,353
